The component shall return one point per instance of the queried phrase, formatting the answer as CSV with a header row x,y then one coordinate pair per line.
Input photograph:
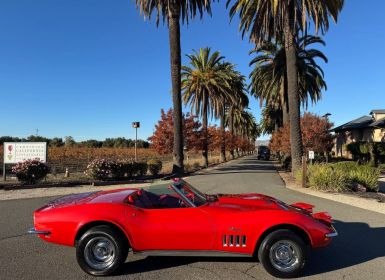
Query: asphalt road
x,y
358,252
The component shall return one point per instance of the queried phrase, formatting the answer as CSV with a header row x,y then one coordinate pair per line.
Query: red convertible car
x,y
175,219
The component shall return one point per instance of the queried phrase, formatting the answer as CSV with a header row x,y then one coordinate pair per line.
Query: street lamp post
x,y
136,125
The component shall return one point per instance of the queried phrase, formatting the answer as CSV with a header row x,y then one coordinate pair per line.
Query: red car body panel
x,y
232,223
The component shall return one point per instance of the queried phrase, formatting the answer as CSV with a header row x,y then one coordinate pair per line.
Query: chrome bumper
x,y
332,234
34,231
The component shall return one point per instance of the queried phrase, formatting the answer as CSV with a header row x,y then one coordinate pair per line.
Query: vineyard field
x,y
76,159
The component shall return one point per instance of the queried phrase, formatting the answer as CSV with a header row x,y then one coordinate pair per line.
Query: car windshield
x,y
196,197
263,149
172,194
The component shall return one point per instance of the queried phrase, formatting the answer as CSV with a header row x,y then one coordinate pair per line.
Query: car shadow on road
x,y
158,263
356,243
153,263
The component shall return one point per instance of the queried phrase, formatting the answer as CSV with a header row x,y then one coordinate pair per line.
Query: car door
x,y
187,228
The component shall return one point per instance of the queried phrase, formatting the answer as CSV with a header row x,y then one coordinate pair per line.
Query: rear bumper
x,y
34,231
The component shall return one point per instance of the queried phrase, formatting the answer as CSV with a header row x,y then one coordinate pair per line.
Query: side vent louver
x,y
234,240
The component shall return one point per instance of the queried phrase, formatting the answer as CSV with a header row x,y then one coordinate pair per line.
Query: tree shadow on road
x,y
245,166
356,243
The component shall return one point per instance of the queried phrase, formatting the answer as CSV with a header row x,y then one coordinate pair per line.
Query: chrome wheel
x,y
99,253
284,255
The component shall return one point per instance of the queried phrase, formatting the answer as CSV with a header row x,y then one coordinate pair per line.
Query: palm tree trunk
x,y
205,135
276,126
285,109
232,137
223,137
175,55
285,114
293,97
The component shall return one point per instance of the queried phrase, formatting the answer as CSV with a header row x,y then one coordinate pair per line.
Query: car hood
x,y
248,202
255,201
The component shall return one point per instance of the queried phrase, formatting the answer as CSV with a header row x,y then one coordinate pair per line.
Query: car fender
x,y
85,225
292,221
96,214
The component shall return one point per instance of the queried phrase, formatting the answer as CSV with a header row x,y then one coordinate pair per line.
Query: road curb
x,y
360,202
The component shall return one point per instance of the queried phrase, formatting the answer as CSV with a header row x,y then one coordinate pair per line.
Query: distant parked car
x,y
176,219
263,152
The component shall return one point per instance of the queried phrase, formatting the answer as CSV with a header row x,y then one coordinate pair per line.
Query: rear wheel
x,y
283,254
101,251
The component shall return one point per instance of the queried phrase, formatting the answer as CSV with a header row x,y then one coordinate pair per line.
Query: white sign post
x,y
15,152
311,156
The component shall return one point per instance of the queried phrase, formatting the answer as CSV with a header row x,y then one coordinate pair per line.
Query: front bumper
x,y
332,234
34,231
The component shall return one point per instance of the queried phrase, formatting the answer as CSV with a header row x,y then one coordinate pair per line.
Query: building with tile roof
x,y
363,129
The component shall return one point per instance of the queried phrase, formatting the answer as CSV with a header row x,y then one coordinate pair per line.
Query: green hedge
x,y
365,152
154,166
30,171
325,177
103,169
341,176
139,168
122,169
382,167
100,169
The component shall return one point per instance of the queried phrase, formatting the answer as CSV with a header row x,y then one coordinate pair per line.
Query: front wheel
x,y
283,254
101,251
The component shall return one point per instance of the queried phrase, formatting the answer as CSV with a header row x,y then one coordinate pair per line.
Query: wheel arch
x,y
86,226
295,228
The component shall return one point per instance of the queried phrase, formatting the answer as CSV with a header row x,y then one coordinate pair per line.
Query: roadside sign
x,y
311,154
15,152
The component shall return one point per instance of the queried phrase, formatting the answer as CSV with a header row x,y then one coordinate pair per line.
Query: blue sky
x,y
88,68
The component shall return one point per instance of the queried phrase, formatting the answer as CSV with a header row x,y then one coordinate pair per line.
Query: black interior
x,y
149,200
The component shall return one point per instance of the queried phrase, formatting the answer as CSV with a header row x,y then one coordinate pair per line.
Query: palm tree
x,y
244,125
232,111
272,118
234,115
243,122
268,78
172,12
205,86
253,130
267,19
237,95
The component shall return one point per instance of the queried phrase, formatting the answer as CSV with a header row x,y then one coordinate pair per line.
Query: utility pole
x,y
136,125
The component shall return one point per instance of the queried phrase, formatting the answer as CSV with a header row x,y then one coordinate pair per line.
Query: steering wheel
x,y
181,203
191,196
